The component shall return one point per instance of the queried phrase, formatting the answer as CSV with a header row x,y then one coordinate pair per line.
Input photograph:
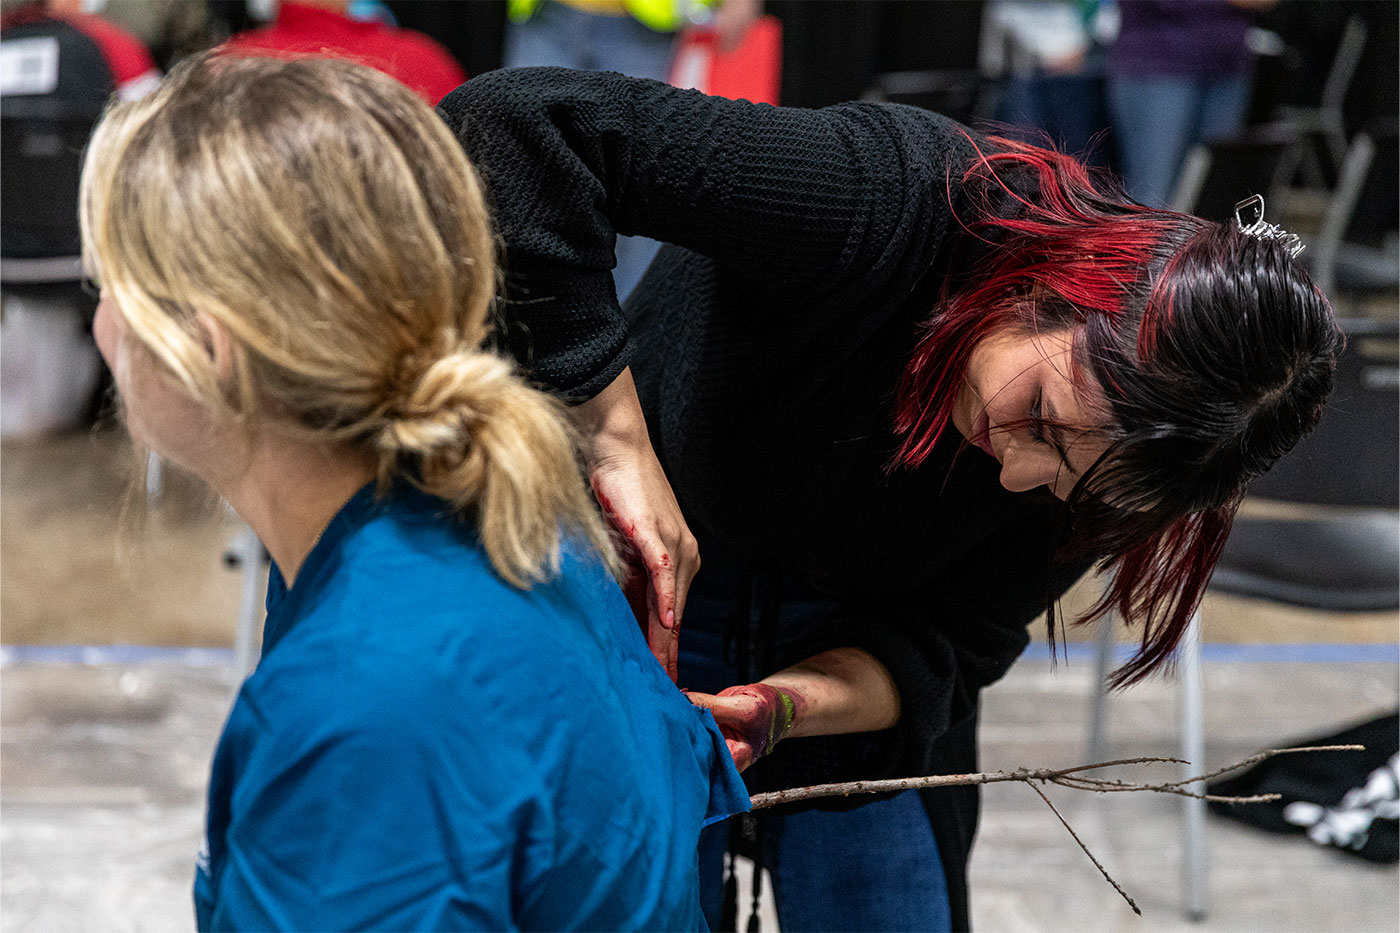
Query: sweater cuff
x,y
931,693
925,674
567,331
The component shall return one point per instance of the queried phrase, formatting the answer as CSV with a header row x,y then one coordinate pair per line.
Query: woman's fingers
x,y
661,574
664,642
661,639
651,581
632,488
752,717
671,559
638,502
666,547
731,719
685,560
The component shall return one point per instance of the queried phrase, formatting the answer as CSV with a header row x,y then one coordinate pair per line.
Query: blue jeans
x,y
1070,108
873,867
1157,119
571,38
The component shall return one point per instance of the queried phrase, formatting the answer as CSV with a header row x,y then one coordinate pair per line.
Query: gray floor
x,y
1027,874
103,768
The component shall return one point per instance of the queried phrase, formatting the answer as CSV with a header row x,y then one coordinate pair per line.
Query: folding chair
x,y
1216,175
1357,251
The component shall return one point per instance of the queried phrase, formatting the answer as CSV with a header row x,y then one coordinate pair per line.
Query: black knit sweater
x,y
808,247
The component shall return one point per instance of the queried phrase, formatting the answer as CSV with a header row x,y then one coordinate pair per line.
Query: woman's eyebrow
x,y
1054,431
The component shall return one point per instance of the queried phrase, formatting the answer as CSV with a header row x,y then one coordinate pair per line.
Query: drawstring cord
x,y
758,827
748,646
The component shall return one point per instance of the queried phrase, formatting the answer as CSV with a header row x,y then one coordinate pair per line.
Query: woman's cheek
x,y
107,332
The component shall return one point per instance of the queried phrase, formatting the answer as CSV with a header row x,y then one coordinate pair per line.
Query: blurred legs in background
x,y
1157,119
562,35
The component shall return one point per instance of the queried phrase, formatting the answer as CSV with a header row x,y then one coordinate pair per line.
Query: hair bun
x,y
471,431
446,405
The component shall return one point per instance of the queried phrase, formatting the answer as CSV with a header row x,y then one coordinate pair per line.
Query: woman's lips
x,y
981,435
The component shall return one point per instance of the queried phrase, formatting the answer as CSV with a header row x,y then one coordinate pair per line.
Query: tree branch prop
x,y
1103,871
1073,778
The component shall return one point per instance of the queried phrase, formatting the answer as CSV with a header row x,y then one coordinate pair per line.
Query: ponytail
x,y
472,433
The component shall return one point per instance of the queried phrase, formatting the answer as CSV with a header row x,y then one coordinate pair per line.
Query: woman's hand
x,y
637,499
753,718
835,692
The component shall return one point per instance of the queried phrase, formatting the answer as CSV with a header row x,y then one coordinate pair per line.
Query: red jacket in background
x,y
422,64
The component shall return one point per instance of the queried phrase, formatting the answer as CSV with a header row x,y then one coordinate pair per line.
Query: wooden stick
x,y
1073,778
1254,759
1068,777
1103,871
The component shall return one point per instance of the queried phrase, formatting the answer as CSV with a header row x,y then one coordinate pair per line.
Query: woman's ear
x,y
218,343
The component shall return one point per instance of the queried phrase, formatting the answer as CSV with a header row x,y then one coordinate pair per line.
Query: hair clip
x,y
1260,230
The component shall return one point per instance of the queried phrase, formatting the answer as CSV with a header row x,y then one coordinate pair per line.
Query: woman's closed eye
x,y
1047,432
1037,419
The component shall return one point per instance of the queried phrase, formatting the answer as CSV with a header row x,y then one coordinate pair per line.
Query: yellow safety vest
x,y
657,15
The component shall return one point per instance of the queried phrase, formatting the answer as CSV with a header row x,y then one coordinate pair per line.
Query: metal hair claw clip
x,y
1254,205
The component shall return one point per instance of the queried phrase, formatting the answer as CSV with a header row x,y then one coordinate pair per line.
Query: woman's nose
x,y
1024,469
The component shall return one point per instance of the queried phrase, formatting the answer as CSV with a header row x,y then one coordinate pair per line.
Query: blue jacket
x,y
424,746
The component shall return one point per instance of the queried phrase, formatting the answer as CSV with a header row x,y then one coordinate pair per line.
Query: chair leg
x,y
1193,864
1098,701
248,551
155,476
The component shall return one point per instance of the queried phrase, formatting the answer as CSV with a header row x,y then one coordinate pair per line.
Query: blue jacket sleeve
x,y
316,840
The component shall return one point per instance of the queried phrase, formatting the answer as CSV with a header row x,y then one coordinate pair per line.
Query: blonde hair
x,y
331,223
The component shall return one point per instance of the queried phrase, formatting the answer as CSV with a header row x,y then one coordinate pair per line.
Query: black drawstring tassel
x,y
757,872
729,916
745,839
748,645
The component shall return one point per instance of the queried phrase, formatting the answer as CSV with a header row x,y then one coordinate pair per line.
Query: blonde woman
x,y
456,722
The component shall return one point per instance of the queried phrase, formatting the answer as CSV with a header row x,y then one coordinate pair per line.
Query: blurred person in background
x,y
1048,53
898,385
171,29
455,722
53,48
58,67
632,37
473,32
325,27
1178,74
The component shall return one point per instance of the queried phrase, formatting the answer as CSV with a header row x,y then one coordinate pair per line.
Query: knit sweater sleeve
x,y
797,201
962,634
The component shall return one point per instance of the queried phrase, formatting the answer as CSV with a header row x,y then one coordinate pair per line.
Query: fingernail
x,y
671,618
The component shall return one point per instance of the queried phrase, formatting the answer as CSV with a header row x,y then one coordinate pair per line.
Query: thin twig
x,y
1068,777
1174,791
845,789
1126,761
1254,759
1103,871
1073,778
1118,787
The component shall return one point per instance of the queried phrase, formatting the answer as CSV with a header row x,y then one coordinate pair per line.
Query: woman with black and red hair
x,y
907,384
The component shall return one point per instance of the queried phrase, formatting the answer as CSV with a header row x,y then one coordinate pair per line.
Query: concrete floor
x,y
103,765
103,768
